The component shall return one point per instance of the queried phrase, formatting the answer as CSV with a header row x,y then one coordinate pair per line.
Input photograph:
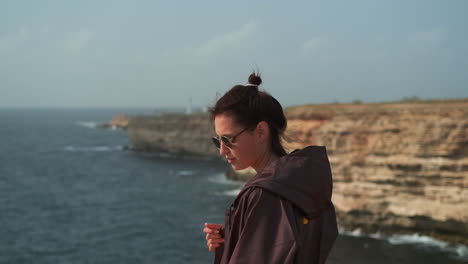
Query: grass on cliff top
x,y
357,108
405,101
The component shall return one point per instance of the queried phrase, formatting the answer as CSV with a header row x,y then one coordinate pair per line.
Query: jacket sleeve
x,y
266,235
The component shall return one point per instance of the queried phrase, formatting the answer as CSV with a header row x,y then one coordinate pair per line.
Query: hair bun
x,y
255,79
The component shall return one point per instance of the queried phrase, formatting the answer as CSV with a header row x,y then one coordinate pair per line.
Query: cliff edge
x,y
397,167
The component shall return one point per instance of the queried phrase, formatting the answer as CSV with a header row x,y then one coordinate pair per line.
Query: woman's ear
x,y
262,131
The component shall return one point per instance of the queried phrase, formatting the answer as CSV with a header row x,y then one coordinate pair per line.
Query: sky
x,y
154,54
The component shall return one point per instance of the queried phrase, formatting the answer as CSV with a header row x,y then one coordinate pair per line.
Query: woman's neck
x,y
264,161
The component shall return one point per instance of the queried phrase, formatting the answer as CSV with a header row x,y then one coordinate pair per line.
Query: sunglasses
x,y
227,141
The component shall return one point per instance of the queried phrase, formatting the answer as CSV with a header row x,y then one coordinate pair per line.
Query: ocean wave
x,y
220,178
181,172
94,125
94,148
460,251
230,193
234,192
88,124
184,172
416,239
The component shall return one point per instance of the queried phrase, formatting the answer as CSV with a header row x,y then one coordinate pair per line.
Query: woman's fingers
x,y
214,226
215,241
213,247
208,236
210,231
213,236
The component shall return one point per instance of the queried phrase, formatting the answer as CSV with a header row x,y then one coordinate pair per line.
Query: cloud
x,y
226,42
314,45
76,42
37,41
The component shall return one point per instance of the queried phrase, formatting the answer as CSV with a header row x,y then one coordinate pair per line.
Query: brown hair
x,y
248,106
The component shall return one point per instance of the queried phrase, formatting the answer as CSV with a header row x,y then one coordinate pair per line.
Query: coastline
x,y
398,168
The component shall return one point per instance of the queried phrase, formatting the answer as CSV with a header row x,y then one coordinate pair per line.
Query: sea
x,y
73,192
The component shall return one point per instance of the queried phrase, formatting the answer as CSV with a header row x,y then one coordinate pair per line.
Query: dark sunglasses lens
x,y
226,141
216,142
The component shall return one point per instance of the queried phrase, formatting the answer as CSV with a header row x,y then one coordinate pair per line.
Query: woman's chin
x,y
237,167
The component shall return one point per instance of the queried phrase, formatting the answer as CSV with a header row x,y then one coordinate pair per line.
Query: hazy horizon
x,y
63,54
198,108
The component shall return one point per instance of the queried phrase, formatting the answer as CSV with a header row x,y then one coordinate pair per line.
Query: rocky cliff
x,y
173,133
397,167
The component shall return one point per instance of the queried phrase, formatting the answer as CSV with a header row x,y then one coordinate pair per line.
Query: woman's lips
x,y
230,160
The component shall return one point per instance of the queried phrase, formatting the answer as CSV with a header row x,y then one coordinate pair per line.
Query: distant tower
x,y
189,107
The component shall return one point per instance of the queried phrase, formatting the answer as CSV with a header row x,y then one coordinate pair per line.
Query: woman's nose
x,y
223,149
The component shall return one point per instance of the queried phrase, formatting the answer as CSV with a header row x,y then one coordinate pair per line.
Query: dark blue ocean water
x,y
72,193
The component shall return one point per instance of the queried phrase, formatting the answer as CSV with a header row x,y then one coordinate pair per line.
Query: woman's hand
x,y
213,236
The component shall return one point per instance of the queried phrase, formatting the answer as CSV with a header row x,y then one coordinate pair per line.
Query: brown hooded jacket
x,y
283,214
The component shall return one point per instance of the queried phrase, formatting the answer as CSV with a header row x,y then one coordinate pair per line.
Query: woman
x,y
284,214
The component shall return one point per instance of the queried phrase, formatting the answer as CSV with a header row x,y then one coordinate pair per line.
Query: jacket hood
x,y
303,177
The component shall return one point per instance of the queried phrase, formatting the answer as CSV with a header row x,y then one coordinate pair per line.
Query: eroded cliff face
x,y
396,167
173,133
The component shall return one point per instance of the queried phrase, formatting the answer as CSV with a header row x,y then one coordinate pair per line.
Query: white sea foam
x,y
355,233
234,192
88,124
184,172
416,239
221,179
181,172
92,124
460,251
230,193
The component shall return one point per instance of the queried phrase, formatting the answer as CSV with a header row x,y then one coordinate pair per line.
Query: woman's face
x,y
244,152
